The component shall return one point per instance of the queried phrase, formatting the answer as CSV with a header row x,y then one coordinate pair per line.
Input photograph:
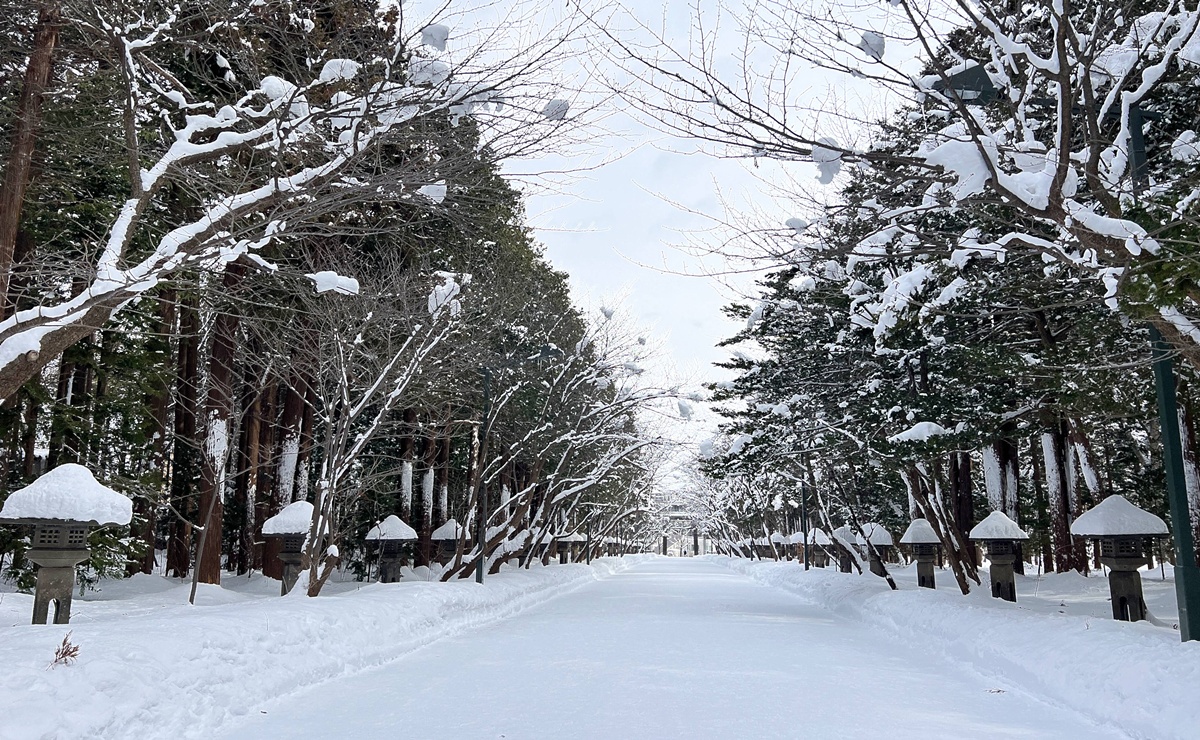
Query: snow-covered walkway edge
x,y
1135,677
184,672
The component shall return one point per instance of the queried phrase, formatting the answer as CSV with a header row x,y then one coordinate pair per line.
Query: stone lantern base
x,y
57,549
845,561
55,583
1004,584
926,555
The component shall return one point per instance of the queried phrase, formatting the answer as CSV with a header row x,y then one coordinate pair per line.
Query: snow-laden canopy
x,y
451,530
392,528
1116,516
997,526
296,518
876,535
817,536
69,493
919,532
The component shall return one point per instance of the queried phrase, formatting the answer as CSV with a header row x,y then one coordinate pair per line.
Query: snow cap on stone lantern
x,y
295,518
919,532
1115,516
876,535
451,530
997,526
817,536
68,493
392,528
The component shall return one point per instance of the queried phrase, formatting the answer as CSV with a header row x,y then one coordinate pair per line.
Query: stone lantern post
x,y
1123,533
1000,534
925,543
819,542
842,540
876,545
291,527
61,506
392,538
446,537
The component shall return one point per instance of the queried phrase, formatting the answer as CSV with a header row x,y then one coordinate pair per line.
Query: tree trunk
x,y
960,495
184,448
27,122
218,410
1058,496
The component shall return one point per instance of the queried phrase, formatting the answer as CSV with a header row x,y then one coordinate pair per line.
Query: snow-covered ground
x,y
642,647
1058,642
673,648
150,666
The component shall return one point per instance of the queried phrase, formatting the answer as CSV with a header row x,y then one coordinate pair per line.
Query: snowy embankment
x,y
150,666
1137,677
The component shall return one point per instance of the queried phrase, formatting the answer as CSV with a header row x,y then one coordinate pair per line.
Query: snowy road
x,y
671,648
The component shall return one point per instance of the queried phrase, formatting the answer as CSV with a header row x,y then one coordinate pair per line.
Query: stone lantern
x,y
819,543
61,506
574,545
1000,534
877,545
392,537
842,540
1123,533
925,543
446,537
290,526
780,545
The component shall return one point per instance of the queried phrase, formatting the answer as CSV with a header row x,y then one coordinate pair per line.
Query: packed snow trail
x,y
671,648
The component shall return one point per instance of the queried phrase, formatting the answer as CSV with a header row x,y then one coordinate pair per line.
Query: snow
x,y
1115,515
919,532
436,191
997,526
1185,148
435,35
295,518
428,72
445,296
556,110
69,492
238,650
920,432
451,530
690,647
876,534
392,528
685,409
817,536
339,69
1057,647
798,225
828,159
873,45
328,280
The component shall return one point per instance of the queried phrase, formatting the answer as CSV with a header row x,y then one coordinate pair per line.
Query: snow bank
x,y
180,671
1136,677
68,492
1115,515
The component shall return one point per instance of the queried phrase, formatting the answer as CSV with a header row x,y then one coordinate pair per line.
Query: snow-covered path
x,y
671,648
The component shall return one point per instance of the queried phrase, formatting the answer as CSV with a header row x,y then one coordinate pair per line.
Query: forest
x,y
257,253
